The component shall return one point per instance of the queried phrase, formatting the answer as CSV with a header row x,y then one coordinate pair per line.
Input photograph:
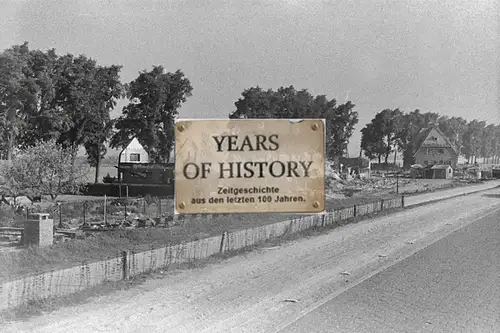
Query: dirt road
x,y
247,293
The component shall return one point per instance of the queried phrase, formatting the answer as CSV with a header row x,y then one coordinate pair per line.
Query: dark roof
x,y
424,132
421,136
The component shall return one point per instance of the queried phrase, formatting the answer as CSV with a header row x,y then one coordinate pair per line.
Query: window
x,y
135,157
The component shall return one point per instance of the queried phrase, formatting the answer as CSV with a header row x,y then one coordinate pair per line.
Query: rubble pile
x,y
360,186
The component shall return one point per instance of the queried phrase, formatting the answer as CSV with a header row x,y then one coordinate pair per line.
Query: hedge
x,y
134,190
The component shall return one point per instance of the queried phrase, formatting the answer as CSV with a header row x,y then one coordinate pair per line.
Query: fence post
x,y
323,220
403,201
84,211
105,213
60,215
125,213
382,205
125,272
355,209
159,208
223,242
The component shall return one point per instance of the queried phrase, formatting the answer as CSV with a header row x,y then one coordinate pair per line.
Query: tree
x,y
288,103
107,90
488,145
46,168
453,128
387,124
473,139
16,94
155,99
372,142
44,96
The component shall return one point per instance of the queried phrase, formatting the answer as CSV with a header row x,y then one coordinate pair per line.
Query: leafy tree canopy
x,y
155,99
289,103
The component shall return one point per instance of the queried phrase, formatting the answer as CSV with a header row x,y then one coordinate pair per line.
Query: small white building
x,y
134,153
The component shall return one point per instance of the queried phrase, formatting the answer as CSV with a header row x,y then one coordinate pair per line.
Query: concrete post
x,y
38,230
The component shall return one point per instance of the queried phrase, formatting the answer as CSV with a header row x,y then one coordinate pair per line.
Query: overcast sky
x,y
439,56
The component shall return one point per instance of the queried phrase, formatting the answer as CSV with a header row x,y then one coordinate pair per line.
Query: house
x,y
134,152
442,172
134,167
433,147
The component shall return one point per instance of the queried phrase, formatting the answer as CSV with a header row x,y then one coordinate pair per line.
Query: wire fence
x,y
106,211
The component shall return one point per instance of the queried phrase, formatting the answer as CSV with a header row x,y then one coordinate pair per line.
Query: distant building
x,y
432,147
442,172
134,167
134,152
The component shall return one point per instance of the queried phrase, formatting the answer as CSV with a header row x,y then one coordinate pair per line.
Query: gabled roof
x,y
424,133
421,136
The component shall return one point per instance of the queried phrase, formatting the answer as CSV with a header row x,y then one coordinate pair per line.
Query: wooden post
x,y
84,211
126,191
397,183
403,201
355,210
159,208
105,217
60,217
223,241
382,205
125,272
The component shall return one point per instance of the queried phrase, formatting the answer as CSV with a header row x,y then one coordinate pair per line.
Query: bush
x,y
108,179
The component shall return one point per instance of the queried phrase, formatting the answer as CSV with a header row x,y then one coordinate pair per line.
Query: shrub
x,y
108,179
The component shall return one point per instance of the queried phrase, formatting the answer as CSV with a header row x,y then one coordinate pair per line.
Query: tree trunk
x,y
386,157
97,167
10,145
395,152
379,158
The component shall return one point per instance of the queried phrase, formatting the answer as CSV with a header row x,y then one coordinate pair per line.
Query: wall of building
x,y
433,155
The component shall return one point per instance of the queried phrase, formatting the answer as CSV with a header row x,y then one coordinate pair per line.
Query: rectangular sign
x,y
249,166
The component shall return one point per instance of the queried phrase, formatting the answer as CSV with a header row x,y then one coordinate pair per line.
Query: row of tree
x,y
393,131
66,98
45,96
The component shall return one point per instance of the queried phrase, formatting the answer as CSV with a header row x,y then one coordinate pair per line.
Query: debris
x,y
345,273
291,300
271,248
382,255
409,242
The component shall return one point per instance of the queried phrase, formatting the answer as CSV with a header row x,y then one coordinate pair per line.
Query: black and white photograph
x,y
249,166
